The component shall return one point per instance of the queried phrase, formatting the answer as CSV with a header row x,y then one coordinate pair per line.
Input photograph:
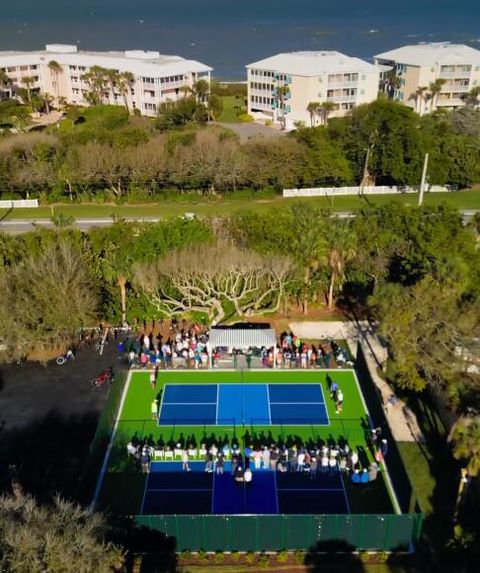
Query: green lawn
x,y
123,486
227,206
229,114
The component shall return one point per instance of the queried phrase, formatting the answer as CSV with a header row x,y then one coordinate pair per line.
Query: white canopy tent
x,y
243,338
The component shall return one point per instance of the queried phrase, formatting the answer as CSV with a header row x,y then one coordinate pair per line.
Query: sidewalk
x,y
401,419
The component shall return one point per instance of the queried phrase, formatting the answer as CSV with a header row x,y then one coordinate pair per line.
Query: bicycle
x,y
105,377
64,358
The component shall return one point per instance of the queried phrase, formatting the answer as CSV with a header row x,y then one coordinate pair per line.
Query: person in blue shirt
x,y
364,476
334,390
356,477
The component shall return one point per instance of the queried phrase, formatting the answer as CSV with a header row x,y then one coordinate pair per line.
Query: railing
x,y
446,88
449,102
342,98
459,75
349,84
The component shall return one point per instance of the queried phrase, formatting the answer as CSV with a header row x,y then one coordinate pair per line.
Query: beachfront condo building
x,y
453,70
283,87
148,78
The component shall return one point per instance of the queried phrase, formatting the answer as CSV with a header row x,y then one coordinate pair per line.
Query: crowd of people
x,y
310,461
189,347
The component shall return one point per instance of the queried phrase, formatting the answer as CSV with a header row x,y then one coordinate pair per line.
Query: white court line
x,y
110,444
216,409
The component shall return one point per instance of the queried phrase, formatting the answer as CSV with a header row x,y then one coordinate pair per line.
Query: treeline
x,y
105,154
416,271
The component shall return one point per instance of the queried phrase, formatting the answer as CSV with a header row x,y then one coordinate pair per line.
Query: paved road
x,y
18,226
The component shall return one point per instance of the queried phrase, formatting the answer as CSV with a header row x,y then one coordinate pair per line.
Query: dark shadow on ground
x,y
156,549
50,453
333,557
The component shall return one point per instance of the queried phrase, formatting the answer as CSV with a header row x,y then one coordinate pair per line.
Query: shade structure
x,y
242,338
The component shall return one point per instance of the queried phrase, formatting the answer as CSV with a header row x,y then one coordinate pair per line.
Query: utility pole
x,y
422,183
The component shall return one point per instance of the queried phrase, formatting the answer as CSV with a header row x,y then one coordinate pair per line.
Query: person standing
x,y
153,380
185,465
154,409
339,402
265,458
220,464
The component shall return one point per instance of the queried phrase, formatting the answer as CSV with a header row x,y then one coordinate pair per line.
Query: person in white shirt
x,y
300,461
185,466
247,476
131,449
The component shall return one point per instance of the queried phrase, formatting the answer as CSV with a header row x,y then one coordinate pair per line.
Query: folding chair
x,y
192,453
202,452
168,455
158,453
177,453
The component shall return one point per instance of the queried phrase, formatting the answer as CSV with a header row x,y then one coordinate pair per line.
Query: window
x,y
11,69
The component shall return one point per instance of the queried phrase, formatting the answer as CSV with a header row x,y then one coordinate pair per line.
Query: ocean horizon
x,y
228,35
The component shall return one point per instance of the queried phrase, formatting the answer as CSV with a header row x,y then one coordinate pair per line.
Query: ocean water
x,y
228,34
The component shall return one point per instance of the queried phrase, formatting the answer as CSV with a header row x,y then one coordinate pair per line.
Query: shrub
x,y
264,560
250,558
219,557
245,118
235,556
299,556
269,122
282,557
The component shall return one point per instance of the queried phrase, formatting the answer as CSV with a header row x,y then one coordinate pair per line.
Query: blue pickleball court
x,y
169,490
242,404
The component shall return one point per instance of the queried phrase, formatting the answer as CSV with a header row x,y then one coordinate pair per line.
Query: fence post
x,y
386,543
177,534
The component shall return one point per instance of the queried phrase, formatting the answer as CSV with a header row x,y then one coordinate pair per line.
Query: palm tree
x,y
418,96
434,89
200,90
390,83
125,80
112,78
5,82
56,69
282,92
471,99
325,109
28,81
312,109
97,81
341,251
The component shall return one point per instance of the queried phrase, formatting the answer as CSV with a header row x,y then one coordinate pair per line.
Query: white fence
x,y
19,204
380,190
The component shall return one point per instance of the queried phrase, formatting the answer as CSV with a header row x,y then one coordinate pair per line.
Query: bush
x,y
264,560
219,557
250,558
235,556
283,557
245,118
269,122
299,556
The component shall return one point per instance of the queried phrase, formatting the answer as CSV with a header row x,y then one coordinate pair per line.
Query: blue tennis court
x,y
242,404
169,491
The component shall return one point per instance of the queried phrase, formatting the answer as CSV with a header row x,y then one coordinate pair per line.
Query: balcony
x,y
342,99
455,75
342,84
447,88
266,93
451,102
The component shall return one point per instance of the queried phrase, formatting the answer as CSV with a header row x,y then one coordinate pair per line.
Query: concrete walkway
x,y
401,419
